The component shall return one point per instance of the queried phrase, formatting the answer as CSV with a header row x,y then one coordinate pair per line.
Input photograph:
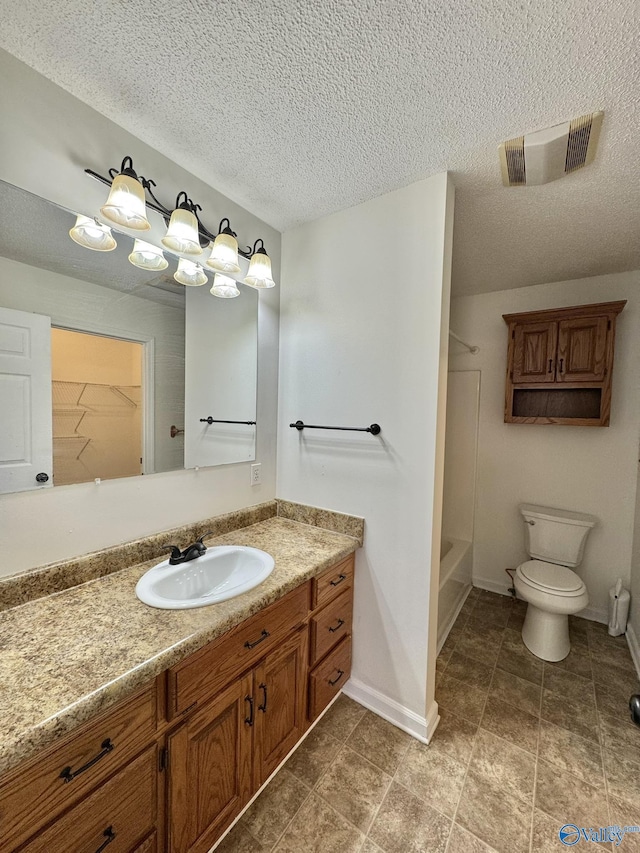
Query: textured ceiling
x,y
296,109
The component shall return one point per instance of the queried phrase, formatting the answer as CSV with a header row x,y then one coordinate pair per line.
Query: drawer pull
x,y
110,836
263,707
68,775
337,627
336,680
338,581
263,636
249,720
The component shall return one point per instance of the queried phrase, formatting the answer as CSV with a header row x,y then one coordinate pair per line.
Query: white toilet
x,y
555,539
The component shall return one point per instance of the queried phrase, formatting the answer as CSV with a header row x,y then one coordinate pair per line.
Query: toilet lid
x,y
551,576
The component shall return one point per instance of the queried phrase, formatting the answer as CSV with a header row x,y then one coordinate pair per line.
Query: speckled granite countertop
x,y
66,657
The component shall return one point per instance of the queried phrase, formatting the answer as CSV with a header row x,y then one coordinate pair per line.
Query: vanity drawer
x,y
329,677
330,625
332,582
116,817
208,671
35,793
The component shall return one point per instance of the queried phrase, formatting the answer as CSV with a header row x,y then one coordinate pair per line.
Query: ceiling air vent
x,y
546,155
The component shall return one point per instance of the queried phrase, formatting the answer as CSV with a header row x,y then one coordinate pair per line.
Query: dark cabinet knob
x,y
42,478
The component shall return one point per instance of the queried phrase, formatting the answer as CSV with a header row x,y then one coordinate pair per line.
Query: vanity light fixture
x,y
224,287
182,234
190,273
132,194
259,274
147,256
92,234
126,203
224,252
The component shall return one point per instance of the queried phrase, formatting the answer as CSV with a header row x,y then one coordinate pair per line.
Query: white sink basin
x,y
222,572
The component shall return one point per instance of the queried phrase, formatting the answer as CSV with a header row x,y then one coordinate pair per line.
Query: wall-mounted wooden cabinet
x,y
560,365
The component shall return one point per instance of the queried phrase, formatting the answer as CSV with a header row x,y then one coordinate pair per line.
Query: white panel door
x,y
25,401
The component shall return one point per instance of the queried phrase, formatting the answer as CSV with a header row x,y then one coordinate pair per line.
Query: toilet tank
x,y
556,535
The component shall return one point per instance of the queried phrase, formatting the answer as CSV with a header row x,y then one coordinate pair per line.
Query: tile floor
x,y
522,748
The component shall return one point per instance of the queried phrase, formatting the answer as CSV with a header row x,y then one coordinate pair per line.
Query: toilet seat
x,y
551,578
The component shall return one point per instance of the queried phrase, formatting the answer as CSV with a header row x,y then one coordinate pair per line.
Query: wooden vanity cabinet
x,y
560,365
169,769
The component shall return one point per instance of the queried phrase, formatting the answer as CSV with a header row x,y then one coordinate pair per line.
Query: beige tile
x,y
488,614
516,620
313,756
577,716
613,699
482,645
370,847
380,742
546,835
518,660
624,814
511,723
569,799
623,679
619,734
406,824
240,840
354,787
498,819
516,691
503,765
453,737
432,776
571,753
341,718
494,599
464,700
578,661
623,778
461,841
268,817
568,684
613,656
317,828
470,670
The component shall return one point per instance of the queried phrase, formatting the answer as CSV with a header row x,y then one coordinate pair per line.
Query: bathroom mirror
x,y
92,359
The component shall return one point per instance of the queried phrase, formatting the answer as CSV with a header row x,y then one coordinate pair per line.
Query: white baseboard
x,y
421,728
491,585
593,614
634,647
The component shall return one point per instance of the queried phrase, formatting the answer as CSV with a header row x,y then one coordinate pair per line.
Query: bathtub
x,y
456,558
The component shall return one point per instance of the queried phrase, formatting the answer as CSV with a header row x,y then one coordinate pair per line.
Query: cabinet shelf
x,y
560,365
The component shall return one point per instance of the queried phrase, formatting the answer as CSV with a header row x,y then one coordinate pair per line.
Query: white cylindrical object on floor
x,y
619,599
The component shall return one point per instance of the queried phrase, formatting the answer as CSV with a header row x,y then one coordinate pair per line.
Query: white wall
x,y
634,612
47,138
362,300
461,454
586,469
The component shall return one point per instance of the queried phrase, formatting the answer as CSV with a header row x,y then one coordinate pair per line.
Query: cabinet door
x,y
534,352
582,349
280,691
210,769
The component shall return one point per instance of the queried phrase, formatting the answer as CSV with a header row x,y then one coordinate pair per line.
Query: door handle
x,y
249,720
336,680
263,636
68,775
337,627
263,707
110,835
550,365
562,365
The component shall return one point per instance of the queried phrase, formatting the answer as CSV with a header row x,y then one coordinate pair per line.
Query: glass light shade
x,y
182,234
147,257
125,205
259,274
92,235
224,254
190,273
224,287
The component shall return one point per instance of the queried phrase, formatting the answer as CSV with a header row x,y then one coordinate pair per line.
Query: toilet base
x,y
545,634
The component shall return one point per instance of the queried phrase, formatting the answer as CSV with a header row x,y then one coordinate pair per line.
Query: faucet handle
x,y
175,551
200,542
